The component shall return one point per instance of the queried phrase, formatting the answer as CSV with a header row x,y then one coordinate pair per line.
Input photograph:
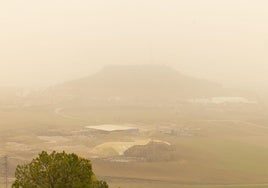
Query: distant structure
x,y
4,171
223,100
113,128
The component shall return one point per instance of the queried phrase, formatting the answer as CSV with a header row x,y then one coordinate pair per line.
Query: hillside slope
x,y
139,82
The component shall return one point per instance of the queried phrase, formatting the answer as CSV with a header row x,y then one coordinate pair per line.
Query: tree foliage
x,y
57,170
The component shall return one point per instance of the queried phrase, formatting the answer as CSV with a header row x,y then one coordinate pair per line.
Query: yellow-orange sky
x,y
44,42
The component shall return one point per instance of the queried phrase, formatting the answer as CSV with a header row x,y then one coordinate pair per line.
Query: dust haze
x,y
155,93
48,42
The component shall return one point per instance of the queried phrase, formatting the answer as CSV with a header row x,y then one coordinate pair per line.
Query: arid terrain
x,y
134,93
182,143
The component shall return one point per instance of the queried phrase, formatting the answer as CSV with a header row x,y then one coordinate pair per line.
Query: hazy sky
x,y
48,41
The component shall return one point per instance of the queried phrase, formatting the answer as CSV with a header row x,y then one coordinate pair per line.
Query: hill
x,y
138,83
153,152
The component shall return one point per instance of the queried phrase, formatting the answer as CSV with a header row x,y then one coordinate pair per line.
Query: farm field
x,y
197,152
164,185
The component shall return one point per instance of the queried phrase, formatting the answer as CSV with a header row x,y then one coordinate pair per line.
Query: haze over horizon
x,y
145,93
48,42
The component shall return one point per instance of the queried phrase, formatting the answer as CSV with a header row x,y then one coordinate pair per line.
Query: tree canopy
x,y
57,170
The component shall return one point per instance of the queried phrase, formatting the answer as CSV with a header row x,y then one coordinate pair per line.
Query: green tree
x,y
57,170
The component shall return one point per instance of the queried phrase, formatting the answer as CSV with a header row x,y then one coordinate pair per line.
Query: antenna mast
x,y
4,171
